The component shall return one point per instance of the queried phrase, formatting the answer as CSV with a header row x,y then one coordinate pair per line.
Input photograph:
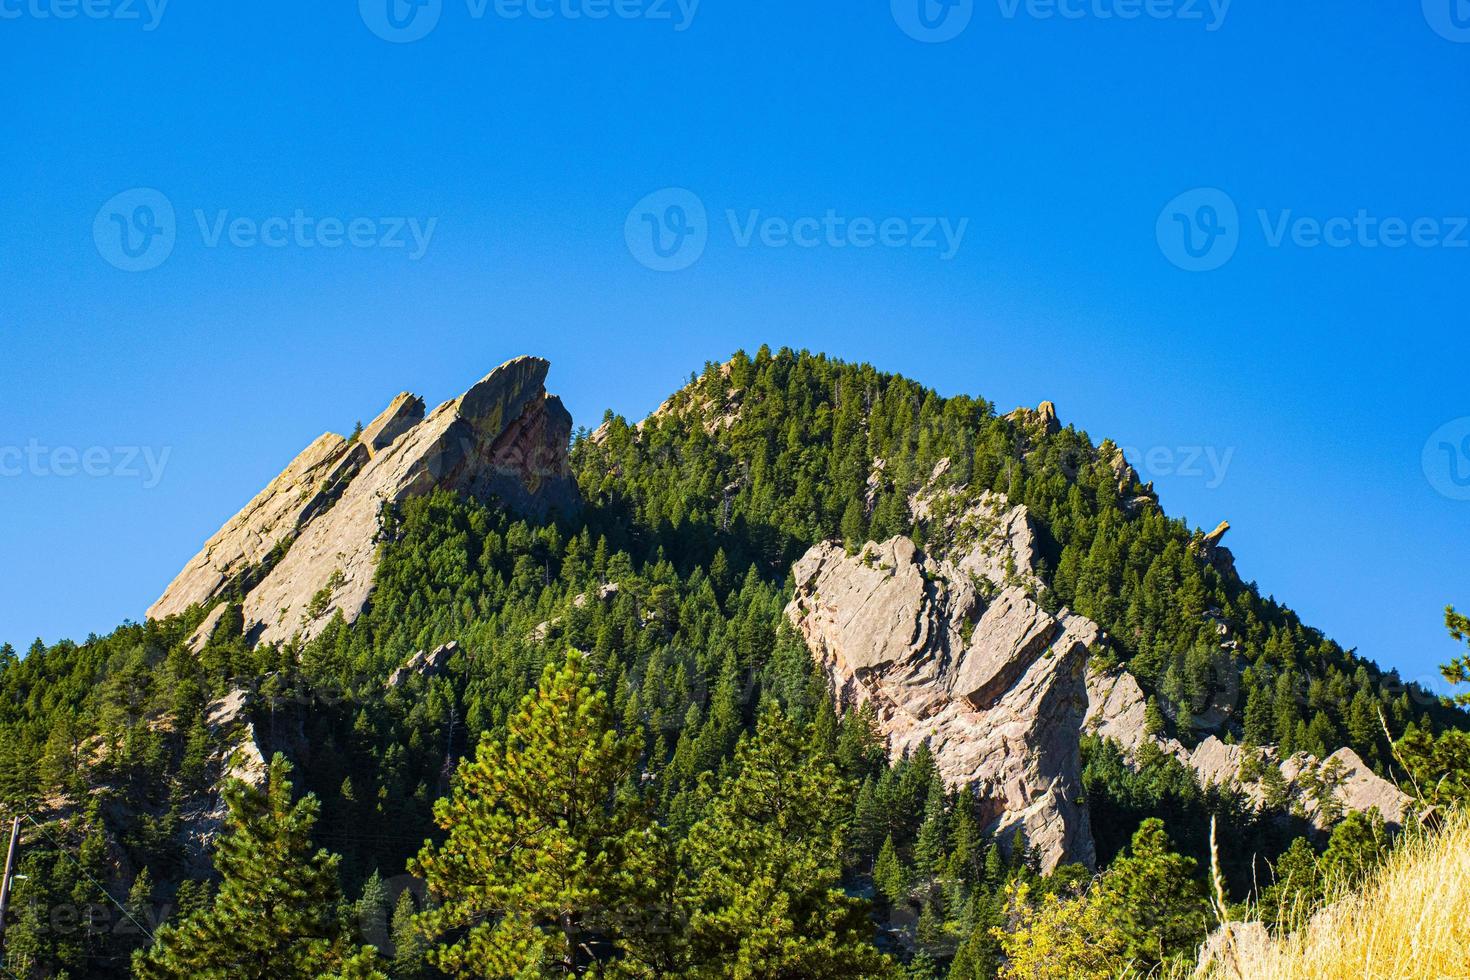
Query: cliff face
x,y
306,546
996,687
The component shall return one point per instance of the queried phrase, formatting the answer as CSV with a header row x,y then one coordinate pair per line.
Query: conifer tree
x,y
410,951
765,896
889,878
275,915
541,843
1151,901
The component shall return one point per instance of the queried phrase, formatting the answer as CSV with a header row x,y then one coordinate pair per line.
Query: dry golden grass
x,y
1410,921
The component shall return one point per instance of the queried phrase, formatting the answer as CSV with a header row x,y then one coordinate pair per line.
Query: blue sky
x,y
1291,389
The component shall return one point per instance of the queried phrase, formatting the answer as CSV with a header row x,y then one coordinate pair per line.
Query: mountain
x,y
1000,655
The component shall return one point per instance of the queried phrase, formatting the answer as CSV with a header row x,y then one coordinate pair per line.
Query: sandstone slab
x,y
1000,703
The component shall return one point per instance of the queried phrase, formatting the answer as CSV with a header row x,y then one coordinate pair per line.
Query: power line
x,y
105,894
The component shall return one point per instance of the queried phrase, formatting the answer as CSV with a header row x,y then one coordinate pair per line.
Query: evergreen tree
x,y
765,896
1151,900
410,951
275,915
889,878
540,840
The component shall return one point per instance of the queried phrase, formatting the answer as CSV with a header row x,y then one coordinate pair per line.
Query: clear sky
x,y
985,197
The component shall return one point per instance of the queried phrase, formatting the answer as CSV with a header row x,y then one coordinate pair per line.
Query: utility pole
x,y
9,873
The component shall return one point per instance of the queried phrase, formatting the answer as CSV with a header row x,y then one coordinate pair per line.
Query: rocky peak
x,y
1043,418
306,546
996,688
1213,539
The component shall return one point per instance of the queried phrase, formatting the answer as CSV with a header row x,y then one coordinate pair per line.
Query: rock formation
x,y
306,546
424,663
1042,419
1116,708
996,689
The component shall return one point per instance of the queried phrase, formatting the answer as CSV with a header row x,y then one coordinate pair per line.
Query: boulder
x,y
996,690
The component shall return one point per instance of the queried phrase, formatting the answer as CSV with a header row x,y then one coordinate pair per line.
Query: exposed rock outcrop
x,y
248,538
239,756
1319,789
1043,418
1214,538
987,538
318,522
424,664
997,689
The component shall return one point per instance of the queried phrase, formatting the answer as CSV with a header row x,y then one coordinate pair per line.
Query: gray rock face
x,y
996,690
504,439
1316,787
424,664
270,519
239,757
402,414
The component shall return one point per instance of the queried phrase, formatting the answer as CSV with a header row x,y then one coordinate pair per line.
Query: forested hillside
x,y
628,761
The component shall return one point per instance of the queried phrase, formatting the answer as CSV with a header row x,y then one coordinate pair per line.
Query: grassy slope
x,y
1410,921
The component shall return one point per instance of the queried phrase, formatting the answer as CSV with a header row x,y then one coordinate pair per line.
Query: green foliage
x,y
765,868
275,916
673,578
1146,911
541,840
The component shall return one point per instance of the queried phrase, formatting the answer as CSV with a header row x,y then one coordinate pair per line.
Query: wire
x,y
61,850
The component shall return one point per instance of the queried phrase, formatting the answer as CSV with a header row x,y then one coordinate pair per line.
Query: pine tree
x,y
1151,900
889,878
275,915
1296,887
372,910
930,847
410,952
539,838
765,896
